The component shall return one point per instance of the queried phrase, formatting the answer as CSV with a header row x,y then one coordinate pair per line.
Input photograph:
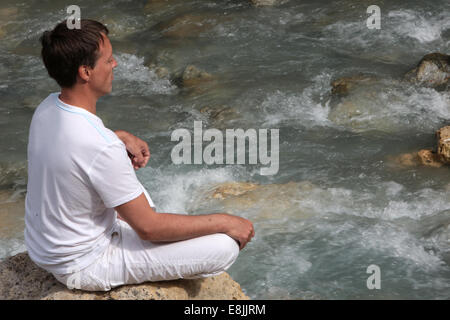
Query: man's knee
x,y
228,249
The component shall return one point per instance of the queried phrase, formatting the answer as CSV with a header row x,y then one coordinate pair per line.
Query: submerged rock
x,y
344,85
355,104
189,25
192,76
7,15
428,157
260,3
270,201
405,160
194,80
233,189
156,5
218,115
425,157
21,279
432,71
161,72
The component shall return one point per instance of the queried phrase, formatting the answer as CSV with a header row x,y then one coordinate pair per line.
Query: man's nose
x,y
114,63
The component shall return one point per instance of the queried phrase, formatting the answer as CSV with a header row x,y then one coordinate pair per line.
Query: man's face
x,y
102,74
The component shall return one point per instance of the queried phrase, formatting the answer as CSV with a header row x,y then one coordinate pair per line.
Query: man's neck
x,y
79,97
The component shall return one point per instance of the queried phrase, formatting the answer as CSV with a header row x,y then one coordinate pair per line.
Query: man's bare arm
x,y
154,226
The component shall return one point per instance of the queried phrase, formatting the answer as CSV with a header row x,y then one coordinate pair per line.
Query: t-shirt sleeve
x,y
113,177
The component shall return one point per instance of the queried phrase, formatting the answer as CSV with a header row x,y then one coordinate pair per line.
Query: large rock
x,y
432,71
443,140
21,279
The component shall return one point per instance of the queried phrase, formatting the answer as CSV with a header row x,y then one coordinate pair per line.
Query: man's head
x,y
79,56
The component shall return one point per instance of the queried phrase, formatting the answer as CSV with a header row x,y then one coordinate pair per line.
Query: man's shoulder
x,y
74,130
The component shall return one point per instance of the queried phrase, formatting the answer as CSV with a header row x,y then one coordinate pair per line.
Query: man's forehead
x,y
105,45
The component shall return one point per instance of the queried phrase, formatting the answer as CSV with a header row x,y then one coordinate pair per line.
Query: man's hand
x,y
240,229
138,150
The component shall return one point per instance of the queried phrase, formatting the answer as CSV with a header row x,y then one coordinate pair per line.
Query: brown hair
x,y
64,50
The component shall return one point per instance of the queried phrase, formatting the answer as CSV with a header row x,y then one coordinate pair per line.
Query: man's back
x,y
68,215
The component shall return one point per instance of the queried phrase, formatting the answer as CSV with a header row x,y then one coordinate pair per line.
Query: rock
x,y
432,71
218,115
443,149
12,173
405,160
425,157
233,189
21,279
429,158
156,5
31,101
2,32
161,72
261,202
10,12
194,80
344,85
124,46
189,25
192,76
7,15
260,3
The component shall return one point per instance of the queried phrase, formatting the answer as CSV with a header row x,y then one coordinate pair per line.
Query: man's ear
x,y
84,72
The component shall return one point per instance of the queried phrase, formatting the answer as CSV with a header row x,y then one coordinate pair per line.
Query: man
x,y
81,179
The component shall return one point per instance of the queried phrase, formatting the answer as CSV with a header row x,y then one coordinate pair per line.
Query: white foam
x,y
398,243
132,77
392,106
305,108
422,27
173,191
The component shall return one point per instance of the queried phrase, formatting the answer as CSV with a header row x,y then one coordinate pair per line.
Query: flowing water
x,y
338,203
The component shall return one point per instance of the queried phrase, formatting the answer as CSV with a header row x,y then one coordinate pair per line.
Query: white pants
x,y
131,260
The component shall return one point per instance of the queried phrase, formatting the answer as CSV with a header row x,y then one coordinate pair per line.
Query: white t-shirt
x,y
78,171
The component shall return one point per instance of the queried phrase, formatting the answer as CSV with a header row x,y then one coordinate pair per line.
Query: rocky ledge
x,y
21,279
